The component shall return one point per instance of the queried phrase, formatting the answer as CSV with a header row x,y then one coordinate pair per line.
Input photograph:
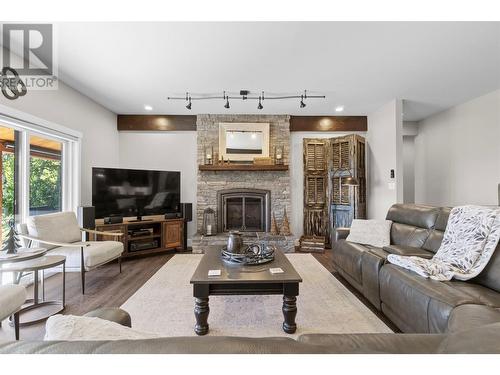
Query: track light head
x,y
227,104
260,106
188,106
302,104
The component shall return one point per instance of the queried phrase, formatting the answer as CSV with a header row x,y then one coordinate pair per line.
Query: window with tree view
x,y
7,166
45,176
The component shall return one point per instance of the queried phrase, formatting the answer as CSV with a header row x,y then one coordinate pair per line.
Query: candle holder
x,y
209,225
278,155
208,155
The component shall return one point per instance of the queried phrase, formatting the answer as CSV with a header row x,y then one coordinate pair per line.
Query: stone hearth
x,y
285,243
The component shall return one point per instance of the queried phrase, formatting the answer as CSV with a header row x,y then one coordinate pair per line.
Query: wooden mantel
x,y
243,167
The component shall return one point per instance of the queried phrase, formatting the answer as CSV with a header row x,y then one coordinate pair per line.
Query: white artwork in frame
x,y
243,141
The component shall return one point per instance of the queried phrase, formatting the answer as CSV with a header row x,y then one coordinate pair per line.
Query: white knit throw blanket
x,y
469,241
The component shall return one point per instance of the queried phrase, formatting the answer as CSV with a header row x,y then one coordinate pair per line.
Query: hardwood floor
x,y
106,287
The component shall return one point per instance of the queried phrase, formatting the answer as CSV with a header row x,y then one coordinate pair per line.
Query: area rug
x,y
164,305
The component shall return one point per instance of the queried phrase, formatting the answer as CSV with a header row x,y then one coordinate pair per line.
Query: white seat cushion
x,y
58,227
12,297
83,328
99,252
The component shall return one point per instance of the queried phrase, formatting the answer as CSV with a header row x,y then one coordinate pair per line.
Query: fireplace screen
x,y
244,210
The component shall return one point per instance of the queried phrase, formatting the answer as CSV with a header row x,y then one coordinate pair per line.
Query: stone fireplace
x,y
243,200
246,210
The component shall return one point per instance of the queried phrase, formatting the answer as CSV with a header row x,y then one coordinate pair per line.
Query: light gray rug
x,y
164,305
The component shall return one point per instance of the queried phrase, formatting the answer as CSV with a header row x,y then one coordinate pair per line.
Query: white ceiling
x,y
360,65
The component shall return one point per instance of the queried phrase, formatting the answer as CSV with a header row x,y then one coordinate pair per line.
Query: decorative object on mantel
x,y
243,167
285,226
208,155
209,222
274,226
312,244
244,95
278,155
12,242
263,161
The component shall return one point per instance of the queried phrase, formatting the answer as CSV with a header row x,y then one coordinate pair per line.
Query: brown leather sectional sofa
x,y
414,304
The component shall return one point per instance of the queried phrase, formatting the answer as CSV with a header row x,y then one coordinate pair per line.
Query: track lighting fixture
x,y
246,95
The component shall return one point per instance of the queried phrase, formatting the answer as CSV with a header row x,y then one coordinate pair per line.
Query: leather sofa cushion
x,y
490,277
435,238
466,317
113,314
480,340
414,215
423,304
375,343
483,295
408,251
408,235
347,256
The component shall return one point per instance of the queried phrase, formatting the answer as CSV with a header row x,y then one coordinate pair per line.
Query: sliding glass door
x,y
40,174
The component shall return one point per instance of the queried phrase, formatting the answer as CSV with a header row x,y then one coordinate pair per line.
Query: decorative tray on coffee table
x,y
253,254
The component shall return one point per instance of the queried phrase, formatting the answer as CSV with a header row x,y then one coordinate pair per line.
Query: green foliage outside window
x,y
45,187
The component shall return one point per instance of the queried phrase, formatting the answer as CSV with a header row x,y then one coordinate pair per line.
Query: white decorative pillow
x,y
370,232
85,328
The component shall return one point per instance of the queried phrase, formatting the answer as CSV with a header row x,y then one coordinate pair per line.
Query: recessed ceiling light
x,y
148,108
339,108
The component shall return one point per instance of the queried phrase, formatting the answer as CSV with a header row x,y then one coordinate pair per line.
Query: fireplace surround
x,y
245,210
210,183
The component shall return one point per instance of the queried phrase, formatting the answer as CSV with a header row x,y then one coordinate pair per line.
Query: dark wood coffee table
x,y
244,280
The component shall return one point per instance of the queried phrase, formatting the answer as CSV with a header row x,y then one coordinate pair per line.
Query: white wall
x,y
297,174
384,152
409,169
458,154
169,151
66,106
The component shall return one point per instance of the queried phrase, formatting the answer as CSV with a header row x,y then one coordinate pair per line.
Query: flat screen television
x,y
134,192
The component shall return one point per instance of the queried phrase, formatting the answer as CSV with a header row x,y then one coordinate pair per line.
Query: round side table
x,y
36,265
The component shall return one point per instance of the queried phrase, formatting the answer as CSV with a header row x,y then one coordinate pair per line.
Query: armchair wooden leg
x,y
120,264
82,271
16,325
83,280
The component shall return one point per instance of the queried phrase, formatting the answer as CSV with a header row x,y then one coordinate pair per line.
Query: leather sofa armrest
x,y
465,317
112,314
341,233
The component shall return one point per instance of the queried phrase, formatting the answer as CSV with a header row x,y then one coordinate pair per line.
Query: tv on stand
x,y
135,192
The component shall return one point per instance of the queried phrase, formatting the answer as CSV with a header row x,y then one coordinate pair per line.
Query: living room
x,y
252,187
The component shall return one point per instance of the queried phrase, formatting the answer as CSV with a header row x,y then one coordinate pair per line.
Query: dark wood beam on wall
x,y
156,122
328,123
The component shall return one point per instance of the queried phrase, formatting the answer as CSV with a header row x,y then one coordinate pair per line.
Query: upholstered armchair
x,y
12,298
61,235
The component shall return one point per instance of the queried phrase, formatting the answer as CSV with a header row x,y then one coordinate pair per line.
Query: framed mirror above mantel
x,y
243,141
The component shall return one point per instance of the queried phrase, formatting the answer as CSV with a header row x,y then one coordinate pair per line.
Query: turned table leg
x,y
289,313
201,311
